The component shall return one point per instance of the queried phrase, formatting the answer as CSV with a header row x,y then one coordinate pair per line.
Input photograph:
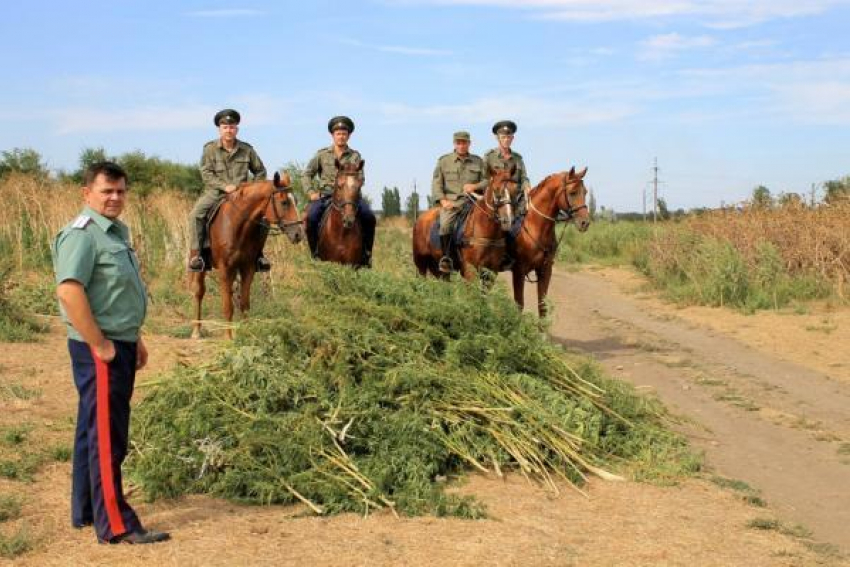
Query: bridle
x,y
570,212
281,225
340,205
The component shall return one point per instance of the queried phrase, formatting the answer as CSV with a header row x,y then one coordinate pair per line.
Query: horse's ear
x,y
582,173
337,164
572,173
277,179
513,169
361,164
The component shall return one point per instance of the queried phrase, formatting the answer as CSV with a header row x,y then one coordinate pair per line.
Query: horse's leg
x,y
519,287
227,277
198,281
247,275
544,276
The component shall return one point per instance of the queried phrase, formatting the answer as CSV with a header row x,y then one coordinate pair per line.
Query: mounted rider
x,y
225,163
319,180
503,157
456,174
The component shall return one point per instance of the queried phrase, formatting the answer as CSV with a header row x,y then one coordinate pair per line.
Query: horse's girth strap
x,y
487,242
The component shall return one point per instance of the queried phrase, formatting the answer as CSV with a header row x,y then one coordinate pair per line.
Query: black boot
x,y
313,241
368,242
446,260
263,265
510,253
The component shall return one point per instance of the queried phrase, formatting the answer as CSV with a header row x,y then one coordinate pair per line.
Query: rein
x,y
281,225
491,213
549,253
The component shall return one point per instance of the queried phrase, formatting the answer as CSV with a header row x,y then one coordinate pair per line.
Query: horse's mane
x,y
545,179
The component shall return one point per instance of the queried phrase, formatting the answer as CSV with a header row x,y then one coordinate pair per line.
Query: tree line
x,y
150,172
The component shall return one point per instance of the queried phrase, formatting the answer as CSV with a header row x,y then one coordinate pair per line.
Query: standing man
x,y
225,163
103,303
502,157
319,179
456,175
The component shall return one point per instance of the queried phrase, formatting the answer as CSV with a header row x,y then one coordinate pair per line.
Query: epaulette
x,y
246,144
81,221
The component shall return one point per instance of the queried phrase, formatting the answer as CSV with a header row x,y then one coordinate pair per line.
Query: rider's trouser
x,y
198,216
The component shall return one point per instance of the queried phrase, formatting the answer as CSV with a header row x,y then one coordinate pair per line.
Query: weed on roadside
x,y
10,507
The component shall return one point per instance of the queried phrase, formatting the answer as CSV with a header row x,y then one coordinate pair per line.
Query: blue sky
x,y
726,94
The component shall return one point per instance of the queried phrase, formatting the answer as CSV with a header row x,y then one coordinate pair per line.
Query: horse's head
x,y
500,193
282,210
571,198
346,195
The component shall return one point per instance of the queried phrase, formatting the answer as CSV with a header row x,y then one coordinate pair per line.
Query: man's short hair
x,y
108,169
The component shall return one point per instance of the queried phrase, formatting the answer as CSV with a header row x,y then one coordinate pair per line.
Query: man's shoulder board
x,y
81,221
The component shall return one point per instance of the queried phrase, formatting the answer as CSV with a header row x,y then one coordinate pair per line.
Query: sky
x,y
725,94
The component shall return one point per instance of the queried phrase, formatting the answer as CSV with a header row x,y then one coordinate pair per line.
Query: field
x,y
664,513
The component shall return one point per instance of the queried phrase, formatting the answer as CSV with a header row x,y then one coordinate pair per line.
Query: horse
x,y
536,245
483,245
340,234
237,234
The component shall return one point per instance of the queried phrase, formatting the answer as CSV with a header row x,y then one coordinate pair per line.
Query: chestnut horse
x,y
483,235
237,235
340,234
536,245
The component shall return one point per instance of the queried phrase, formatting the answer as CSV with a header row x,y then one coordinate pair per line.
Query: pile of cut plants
x,y
369,390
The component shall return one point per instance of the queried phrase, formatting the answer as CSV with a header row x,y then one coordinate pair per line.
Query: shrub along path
x,y
770,419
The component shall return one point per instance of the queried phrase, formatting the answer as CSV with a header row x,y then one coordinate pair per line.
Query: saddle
x,y
458,240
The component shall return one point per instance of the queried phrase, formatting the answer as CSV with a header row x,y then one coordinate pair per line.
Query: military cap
x,y
504,127
462,135
228,116
340,123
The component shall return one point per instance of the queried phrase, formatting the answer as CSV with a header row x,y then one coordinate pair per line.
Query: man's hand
x,y
141,354
314,196
446,204
470,188
105,351
229,188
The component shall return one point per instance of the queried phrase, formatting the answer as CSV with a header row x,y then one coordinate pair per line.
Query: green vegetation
x,y
605,242
366,388
10,507
17,544
15,324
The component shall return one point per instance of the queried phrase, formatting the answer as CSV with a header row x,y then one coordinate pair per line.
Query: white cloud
x,y
805,92
714,13
527,110
400,49
225,13
666,45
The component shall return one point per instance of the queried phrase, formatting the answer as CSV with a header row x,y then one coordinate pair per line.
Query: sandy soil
x,y
695,523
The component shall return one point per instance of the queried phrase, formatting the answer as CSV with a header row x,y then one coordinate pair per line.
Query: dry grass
x,y
809,240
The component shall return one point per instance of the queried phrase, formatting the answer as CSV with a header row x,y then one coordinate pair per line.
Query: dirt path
x,y
695,523
763,413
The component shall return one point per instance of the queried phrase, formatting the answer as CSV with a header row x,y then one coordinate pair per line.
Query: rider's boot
x,y
196,262
445,261
263,265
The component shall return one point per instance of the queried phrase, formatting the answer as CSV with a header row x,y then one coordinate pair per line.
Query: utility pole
x,y
813,195
655,191
644,204
416,210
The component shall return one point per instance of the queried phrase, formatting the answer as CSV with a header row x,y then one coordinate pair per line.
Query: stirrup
x,y
263,265
446,265
196,264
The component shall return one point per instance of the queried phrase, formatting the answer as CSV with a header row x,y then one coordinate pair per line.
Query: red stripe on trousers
x,y
104,448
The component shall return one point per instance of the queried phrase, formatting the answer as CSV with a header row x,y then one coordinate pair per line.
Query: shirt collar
x,y
105,223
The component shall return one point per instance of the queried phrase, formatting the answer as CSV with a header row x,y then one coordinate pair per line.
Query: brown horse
x,y
536,245
341,236
237,235
483,235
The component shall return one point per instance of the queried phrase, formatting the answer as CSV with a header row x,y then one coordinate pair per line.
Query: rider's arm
x,y
438,184
208,173
309,174
255,166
